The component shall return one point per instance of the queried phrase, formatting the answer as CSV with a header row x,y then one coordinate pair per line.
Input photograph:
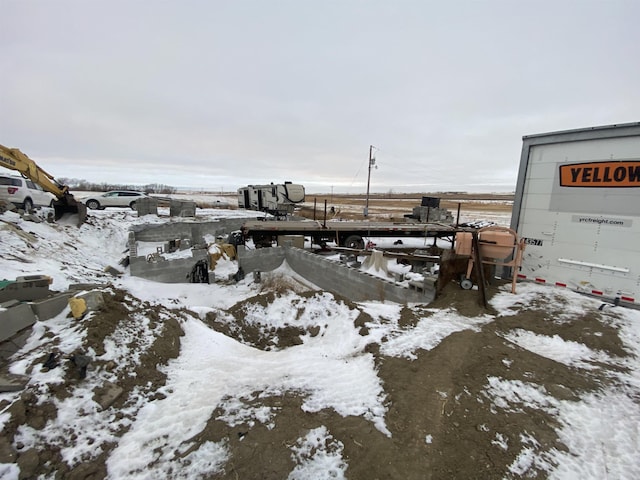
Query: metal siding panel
x,y
541,170
590,150
540,186
538,221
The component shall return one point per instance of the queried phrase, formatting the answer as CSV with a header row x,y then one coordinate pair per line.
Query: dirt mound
x,y
135,374
442,422
439,413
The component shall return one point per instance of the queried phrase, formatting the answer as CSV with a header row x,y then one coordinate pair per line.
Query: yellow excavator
x,y
65,203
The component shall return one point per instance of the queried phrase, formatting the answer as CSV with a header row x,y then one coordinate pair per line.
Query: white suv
x,y
114,198
23,193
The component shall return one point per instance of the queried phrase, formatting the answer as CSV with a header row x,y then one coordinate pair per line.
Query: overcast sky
x,y
220,94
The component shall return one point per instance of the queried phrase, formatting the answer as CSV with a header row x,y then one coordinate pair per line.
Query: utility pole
x,y
372,162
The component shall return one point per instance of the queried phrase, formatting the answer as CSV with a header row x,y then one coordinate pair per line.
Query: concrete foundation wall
x,y
166,271
195,231
350,282
261,260
327,274
191,233
331,275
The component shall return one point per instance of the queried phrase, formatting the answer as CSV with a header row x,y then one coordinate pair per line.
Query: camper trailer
x,y
276,199
577,206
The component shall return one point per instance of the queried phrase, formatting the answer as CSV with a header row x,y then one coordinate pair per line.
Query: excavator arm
x,y
14,159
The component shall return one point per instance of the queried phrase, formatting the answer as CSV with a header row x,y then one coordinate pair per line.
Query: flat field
x,y
383,207
494,207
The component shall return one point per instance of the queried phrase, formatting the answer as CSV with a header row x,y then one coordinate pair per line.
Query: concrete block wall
x,y
326,274
133,246
350,282
161,233
30,287
261,259
15,318
147,206
166,271
181,208
192,233
195,231
222,227
52,306
331,275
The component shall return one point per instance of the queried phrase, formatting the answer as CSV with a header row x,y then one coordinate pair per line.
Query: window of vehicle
x,y
10,181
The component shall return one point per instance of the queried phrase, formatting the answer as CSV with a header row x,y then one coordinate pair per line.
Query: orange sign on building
x,y
625,173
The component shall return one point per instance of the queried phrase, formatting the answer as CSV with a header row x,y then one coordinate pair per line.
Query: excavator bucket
x,y
14,159
68,205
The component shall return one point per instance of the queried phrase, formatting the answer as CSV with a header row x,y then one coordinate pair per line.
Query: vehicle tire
x,y
28,205
466,284
354,241
133,205
93,204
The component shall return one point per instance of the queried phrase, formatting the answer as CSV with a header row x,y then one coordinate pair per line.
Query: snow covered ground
x,y
153,432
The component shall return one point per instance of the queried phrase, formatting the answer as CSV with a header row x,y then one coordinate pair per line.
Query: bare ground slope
x,y
441,421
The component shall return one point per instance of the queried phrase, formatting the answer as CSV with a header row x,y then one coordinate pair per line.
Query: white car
x,y
114,198
23,193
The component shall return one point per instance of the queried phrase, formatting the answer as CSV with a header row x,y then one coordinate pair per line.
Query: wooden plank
x,y
477,260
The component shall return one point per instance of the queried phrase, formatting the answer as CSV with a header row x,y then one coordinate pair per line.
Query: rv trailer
x,y
577,206
276,199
